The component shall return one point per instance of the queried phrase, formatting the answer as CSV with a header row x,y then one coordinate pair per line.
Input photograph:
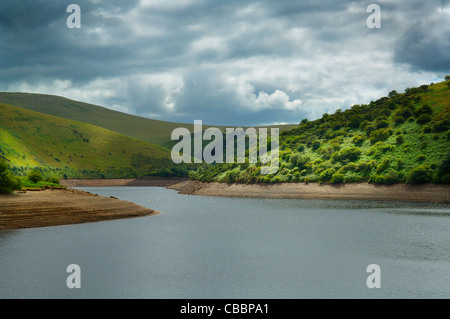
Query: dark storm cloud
x,y
426,46
243,62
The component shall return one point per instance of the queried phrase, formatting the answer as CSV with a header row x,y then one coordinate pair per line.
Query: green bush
x,y
398,119
441,126
53,179
427,129
298,160
399,139
8,182
379,135
419,175
315,145
346,155
423,119
383,165
391,177
337,178
424,109
35,176
358,140
443,170
327,174
421,158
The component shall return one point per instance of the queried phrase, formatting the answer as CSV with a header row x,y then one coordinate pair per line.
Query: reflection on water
x,y
208,247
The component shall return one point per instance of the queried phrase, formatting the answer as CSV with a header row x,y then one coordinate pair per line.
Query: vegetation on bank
x,y
8,182
401,138
35,179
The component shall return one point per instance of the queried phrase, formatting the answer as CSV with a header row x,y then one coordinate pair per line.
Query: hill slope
x,y
400,138
149,130
30,139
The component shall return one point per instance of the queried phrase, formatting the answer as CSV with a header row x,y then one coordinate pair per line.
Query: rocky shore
x,y
62,207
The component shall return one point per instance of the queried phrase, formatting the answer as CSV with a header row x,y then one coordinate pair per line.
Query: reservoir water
x,y
211,247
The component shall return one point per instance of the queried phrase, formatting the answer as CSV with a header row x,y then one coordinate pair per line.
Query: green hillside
x,y
400,138
69,148
149,130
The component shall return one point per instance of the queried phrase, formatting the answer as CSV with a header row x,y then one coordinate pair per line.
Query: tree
x,y
8,182
447,78
35,176
423,119
392,93
419,175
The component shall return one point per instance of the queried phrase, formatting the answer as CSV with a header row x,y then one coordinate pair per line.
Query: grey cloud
x,y
423,49
191,60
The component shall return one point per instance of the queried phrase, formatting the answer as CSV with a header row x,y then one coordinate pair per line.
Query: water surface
x,y
210,247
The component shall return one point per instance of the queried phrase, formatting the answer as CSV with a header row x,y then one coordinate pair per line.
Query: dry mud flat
x,y
399,192
62,207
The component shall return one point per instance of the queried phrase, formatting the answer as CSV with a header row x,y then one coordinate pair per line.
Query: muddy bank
x,y
144,181
400,192
62,207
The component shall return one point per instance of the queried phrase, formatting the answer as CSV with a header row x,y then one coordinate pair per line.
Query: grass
x,y
148,130
30,139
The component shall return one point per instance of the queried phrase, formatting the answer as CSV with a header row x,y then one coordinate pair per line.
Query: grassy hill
x,y
68,148
149,130
399,138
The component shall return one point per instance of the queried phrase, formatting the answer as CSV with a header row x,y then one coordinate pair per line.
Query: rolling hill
x,y
396,139
149,130
69,148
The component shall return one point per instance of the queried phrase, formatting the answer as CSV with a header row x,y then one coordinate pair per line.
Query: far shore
x,y
438,193
143,181
399,192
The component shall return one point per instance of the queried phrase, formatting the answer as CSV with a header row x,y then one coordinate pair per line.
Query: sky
x,y
223,62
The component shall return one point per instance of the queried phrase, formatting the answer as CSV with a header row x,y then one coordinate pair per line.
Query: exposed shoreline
x,y
63,207
144,181
399,192
54,207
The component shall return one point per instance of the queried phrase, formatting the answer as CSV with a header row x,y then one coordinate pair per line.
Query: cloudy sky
x,y
224,62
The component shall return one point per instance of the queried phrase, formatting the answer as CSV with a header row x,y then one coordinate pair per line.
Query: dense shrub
x,y
427,129
379,135
399,119
443,170
327,174
421,158
315,145
391,177
337,178
358,140
399,139
35,176
383,165
298,160
346,155
441,126
423,119
419,175
424,109
382,124
8,182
